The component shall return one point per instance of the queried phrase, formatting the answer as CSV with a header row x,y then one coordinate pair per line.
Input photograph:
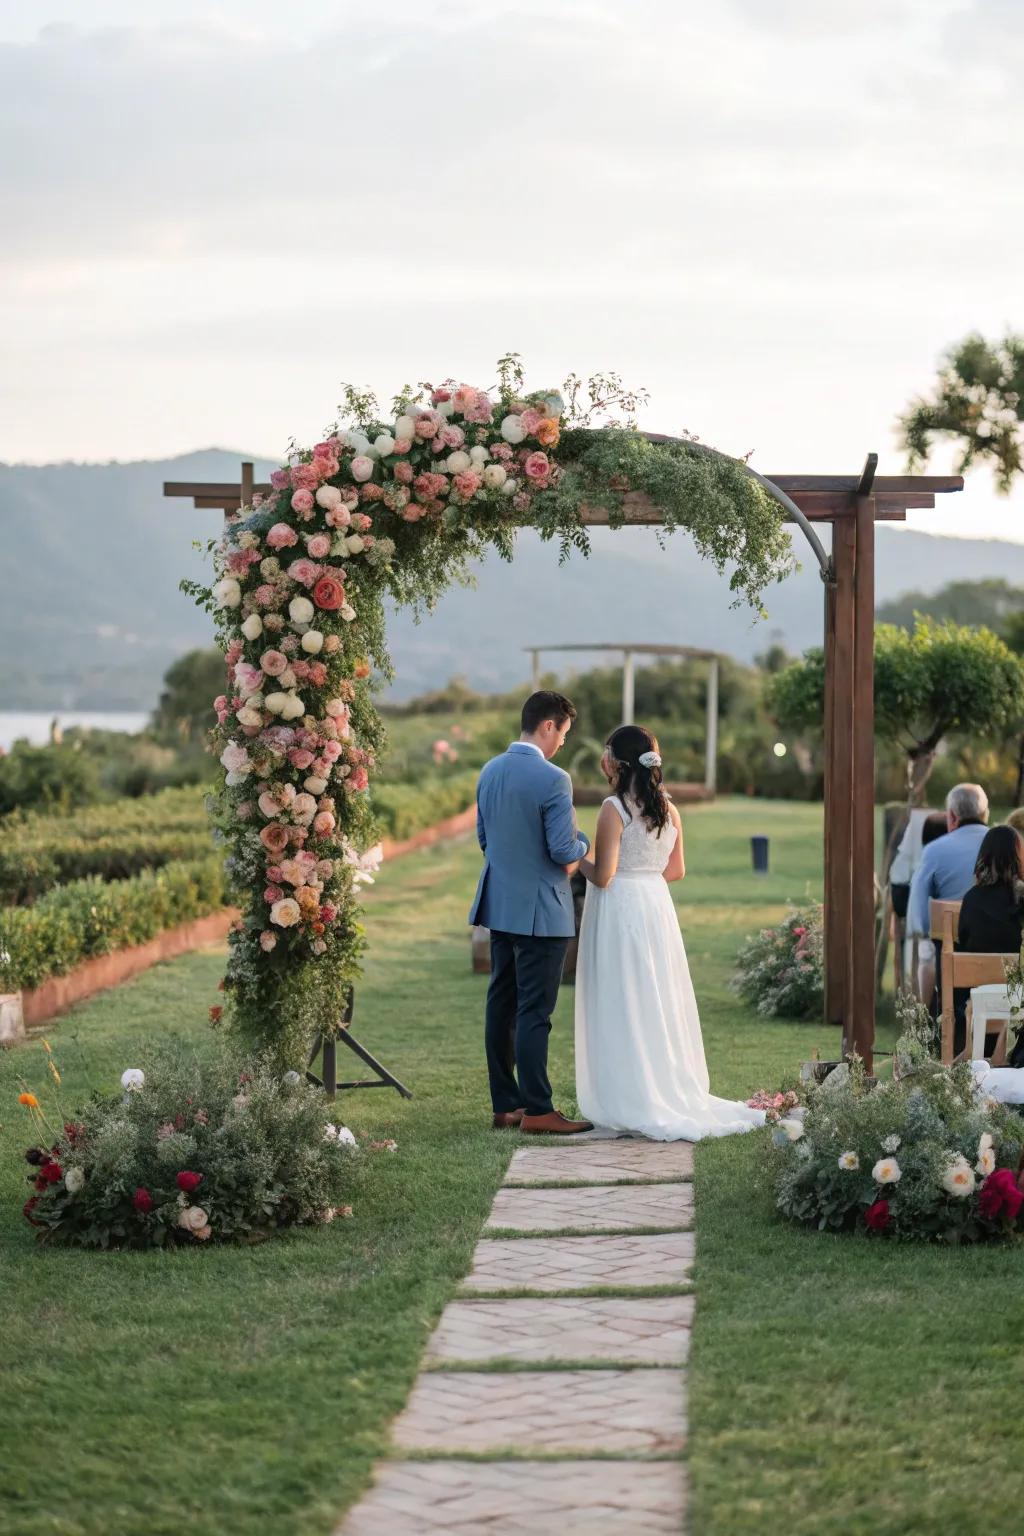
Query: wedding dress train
x,y
640,1063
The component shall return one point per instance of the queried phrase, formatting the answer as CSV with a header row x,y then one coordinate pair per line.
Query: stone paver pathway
x,y
594,1384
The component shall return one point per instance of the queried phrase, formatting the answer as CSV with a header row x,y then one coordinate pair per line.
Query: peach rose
x,y
274,837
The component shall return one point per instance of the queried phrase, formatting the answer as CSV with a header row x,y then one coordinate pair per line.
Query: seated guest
x,y
933,826
945,870
992,910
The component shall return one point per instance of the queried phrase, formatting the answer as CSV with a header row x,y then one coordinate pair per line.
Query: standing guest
x,y
946,867
993,908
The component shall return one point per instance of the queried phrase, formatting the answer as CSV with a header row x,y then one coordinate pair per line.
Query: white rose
x,y
478,455
193,1218
354,544
512,430
347,612
287,679
276,702
293,707
494,476
249,716
345,1136
793,1129
510,487
285,913
457,462
958,1178
445,409
405,427
384,444
227,593
315,784
301,610
74,1180
234,777
356,441
252,627
328,496
133,1078
887,1171
312,642
235,758
849,1162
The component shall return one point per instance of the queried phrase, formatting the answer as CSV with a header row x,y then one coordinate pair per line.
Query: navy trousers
x,y
525,973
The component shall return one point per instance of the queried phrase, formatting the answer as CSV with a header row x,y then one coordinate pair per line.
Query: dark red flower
x,y
74,1132
52,1172
189,1182
143,1201
877,1216
40,1183
1000,1196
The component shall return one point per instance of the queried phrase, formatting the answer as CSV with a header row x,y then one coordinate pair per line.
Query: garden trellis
x,y
619,481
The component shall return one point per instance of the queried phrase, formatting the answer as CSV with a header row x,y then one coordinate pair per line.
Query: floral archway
x,y
397,504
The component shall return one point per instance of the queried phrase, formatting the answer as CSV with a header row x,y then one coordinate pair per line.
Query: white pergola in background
x,y
629,653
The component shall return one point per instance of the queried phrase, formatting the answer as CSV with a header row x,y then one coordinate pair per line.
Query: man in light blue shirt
x,y
946,867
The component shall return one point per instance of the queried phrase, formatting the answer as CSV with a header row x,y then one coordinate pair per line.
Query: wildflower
x,y
29,1100
891,1144
849,1162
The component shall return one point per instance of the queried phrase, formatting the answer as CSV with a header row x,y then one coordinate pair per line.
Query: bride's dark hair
x,y
643,784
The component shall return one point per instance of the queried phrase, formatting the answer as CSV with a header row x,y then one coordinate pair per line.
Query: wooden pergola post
x,y
628,688
852,505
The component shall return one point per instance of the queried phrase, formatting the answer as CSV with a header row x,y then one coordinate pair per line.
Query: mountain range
x,y
93,554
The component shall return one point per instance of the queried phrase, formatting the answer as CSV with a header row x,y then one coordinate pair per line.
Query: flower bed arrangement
x,y
187,1153
782,970
395,504
86,918
923,1157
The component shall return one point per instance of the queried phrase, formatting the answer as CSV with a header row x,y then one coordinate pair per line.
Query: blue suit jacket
x,y
526,828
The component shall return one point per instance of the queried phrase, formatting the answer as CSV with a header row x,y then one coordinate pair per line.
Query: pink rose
x,y
402,445
302,501
233,653
300,758
306,477
452,436
530,420
537,466
323,824
268,940
275,873
361,468
273,663
466,483
361,522
304,571
358,780
337,517
281,536
274,837
331,751
272,893
265,596
404,474
428,425
319,546
413,512
281,479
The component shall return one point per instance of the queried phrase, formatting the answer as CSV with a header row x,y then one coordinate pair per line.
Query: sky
x,y
774,215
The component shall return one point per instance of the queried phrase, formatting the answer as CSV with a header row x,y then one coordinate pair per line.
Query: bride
x,y
640,1063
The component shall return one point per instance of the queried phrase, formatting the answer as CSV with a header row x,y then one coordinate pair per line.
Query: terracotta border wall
x,y
105,971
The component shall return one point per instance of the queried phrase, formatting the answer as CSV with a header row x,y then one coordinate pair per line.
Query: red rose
x,y
143,1201
1000,1196
328,593
52,1172
189,1182
877,1216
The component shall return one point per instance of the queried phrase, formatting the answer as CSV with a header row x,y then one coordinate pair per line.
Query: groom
x,y
527,830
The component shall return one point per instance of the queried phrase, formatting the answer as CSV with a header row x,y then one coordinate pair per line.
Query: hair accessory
x,y
649,759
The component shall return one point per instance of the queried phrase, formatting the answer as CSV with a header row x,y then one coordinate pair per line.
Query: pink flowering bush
x,y
781,970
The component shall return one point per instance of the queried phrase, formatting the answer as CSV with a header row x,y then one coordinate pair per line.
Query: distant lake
x,y
35,726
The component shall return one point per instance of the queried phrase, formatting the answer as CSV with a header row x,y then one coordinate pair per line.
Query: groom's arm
x,y
565,844
481,830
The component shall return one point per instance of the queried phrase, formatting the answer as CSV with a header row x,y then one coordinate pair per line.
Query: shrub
x,y
90,917
195,1151
923,1157
402,810
52,778
33,863
781,971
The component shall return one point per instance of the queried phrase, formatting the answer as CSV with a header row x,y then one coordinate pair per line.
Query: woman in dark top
x,y
992,910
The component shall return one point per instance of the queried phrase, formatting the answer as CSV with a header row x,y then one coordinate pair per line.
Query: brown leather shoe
x,y
553,1124
508,1120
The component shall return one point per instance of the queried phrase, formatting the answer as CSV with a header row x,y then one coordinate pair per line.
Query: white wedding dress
x,y
640,1063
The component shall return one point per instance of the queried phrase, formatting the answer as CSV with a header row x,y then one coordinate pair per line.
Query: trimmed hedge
x,y
30,866
91,917
402,810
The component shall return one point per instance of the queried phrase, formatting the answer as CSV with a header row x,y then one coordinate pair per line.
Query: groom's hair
x,y
546,706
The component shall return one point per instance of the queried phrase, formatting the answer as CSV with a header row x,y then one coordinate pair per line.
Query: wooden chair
x,y
965,970
937,913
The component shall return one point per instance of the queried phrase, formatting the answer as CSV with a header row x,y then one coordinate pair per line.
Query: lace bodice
x,y
641,850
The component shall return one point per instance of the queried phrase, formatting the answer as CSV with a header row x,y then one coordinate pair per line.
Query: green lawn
x,y
836,1385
